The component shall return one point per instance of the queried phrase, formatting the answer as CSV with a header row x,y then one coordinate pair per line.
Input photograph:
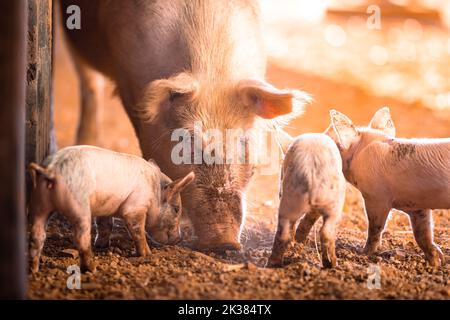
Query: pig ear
x,y
331,133
344,129
284,140
158,91
178,185
269,102
382,120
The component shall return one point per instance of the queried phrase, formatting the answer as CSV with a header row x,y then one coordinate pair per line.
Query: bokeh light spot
x,y
378,55
413,29
335,35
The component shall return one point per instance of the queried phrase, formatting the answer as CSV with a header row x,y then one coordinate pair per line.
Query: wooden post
x,y
13,26
39,111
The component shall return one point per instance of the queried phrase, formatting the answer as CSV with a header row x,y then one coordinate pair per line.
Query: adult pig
x,y
181,63
412,175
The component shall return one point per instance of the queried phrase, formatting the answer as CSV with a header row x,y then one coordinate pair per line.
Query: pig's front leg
x,y
91,85
377,213
37,237
422,225
104,227
135,220
81,222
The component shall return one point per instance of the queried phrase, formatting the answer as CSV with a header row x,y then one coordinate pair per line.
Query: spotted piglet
x,y
411,175
312,185
82,182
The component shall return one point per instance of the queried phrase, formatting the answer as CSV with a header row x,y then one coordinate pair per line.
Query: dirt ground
x,y
177,272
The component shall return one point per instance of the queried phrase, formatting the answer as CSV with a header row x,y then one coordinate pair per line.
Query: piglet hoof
x,y
145,252
368,251
329,264
441,256
89,265
34,266
274,263
436,258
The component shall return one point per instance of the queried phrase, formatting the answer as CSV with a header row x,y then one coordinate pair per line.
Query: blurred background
x,y
396,48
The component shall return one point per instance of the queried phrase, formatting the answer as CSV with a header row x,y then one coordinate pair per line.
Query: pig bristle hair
x,y
252,226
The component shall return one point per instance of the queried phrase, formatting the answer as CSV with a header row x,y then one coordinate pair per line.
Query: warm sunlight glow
x,y
302,11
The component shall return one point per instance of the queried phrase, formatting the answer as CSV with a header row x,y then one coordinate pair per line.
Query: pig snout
x,y
216,207
219,236
220,246
164,236
174,238
222,243
164,239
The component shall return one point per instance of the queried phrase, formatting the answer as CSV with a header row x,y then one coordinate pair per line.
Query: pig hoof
x,y
368,251
441,256
274,263
145,253
326,264
220,248
34,268
436,258
88,267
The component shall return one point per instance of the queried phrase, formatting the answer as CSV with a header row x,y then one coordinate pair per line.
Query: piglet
x,y
312,185
411,175
82,182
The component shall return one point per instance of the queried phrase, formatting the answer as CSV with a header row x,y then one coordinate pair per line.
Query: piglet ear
x,y
284,140
331,133
382,121
178,185
269,102
344,129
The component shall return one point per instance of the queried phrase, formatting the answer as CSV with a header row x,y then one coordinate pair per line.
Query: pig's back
x,y
419,169
153,39
88,169
313,165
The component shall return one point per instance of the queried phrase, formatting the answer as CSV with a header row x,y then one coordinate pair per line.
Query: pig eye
x,y
176,208
174,95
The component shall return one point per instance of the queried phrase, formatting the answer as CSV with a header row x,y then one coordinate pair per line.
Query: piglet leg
x,y
376,215
37,237
135,220
305,225
104,227
328,238
422,225
82,226
284,235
